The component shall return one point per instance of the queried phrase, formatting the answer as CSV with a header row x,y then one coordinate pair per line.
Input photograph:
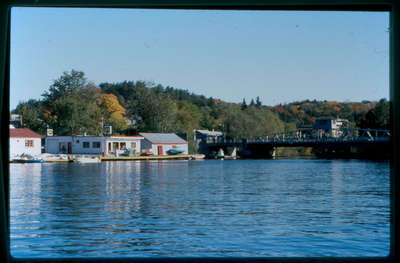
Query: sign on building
x,y
49,132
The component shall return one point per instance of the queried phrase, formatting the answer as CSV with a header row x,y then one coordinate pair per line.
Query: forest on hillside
x,y
72,105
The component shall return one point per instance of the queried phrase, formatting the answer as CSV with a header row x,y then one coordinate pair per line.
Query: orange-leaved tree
x,y
113,112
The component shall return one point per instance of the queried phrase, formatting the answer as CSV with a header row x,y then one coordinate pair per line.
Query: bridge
x,y
343,143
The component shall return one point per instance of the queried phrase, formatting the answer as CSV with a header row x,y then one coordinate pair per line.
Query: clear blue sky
x,y
280,56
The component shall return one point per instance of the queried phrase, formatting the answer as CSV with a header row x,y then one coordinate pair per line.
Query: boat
x,y
22,160
148,153
197,157
27,158
174,151
87,159
233,156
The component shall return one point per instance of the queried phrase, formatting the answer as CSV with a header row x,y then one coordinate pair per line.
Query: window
x,y
28,143
96,144
122,145
62,147
133,145
86,145
115,146
171,204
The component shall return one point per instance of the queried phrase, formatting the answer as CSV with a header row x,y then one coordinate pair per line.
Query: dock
x,y
70,158
147,158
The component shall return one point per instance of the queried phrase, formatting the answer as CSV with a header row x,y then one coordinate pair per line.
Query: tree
x,y
258,101
68,83
70,117
378,117
244,105
70,106
30,113
112,112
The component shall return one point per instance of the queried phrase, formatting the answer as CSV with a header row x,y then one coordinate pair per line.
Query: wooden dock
x,y
130,158
146,158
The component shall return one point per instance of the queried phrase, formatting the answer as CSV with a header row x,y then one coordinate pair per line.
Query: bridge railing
x,y
313,136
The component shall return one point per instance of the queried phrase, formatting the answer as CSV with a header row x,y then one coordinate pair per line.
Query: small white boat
x,y
233,156
87,159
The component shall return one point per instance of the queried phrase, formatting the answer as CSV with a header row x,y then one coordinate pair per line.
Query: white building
x,y
161,143
108,145
24,141
330,126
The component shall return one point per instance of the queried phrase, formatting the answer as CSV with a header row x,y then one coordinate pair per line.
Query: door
x,y
159,150
69,147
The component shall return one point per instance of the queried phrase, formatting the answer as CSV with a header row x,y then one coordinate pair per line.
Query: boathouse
x,y
107,145
161,143
24,141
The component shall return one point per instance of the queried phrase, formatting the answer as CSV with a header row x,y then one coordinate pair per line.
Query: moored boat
x,y
26,158
197,157
174,151
22,160
87,159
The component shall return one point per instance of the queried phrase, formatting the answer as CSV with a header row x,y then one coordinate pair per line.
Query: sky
x,y
280,56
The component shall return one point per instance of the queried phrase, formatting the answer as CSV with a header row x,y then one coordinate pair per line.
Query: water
x,y
243,208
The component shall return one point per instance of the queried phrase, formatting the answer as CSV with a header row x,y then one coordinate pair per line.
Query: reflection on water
x,y
200,208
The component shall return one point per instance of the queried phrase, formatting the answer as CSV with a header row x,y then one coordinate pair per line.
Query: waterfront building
x,y
304,131
330,127
107,145
161,143
16,120
202,137
208,136
24,141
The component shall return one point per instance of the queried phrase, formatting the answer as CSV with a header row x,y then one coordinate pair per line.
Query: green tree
x,y
244,104
68,83
258,101
30,113
70,106
378,117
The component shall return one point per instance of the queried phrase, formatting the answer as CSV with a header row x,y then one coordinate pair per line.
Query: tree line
x,y
72,105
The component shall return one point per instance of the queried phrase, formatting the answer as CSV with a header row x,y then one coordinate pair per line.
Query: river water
x,y
242,208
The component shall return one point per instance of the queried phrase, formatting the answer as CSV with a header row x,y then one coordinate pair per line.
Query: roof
x,y
23,133
162,137
331,118
129,137
96,137
210,133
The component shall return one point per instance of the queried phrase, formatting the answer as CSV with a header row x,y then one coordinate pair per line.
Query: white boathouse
x,y
24,141
107,145
161,143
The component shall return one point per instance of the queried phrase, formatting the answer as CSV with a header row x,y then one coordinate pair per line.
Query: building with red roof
x,y
24,141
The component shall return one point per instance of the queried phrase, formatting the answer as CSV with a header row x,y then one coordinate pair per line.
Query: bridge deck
x,y
302,142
